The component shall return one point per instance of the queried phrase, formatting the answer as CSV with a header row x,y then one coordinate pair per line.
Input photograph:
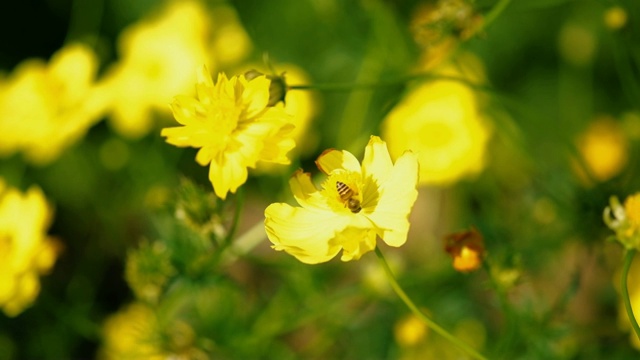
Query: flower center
x,y
343,190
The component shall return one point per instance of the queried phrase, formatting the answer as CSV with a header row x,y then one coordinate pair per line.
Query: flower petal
x,y
227,173
204,84
332,159
355,242
303,233
255,95
305,193
376,164
398,194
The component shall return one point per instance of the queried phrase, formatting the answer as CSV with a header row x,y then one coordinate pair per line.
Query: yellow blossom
x,y
603,146
230,43
410,331
439,120
615,17
233,127
46,108
132,333
356,204
26,251
158,55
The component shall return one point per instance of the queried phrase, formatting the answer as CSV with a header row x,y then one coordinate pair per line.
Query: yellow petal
x,y
355,242
332,159
303,233
305,192
227,173
398,194
204,155
255,95
377,161
204,84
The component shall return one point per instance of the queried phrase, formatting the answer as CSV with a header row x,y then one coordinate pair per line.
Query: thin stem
x,y
349,86
430,323
495,12
625,291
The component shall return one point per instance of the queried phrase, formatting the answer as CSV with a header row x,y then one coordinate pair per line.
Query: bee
x,y
347,196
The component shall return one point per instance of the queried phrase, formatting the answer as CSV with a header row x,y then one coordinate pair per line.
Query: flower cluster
x,y
356,204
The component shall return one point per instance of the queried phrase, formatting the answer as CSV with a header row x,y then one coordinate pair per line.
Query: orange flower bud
x,y
466,248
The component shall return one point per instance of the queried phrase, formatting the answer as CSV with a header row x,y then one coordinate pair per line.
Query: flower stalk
x,y
628,259
430,323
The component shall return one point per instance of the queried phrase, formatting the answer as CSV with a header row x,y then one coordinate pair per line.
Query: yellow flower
x,y
625,220
410,331
603,147
356,203
439,121
25,250
233,127
46,108
158,57
132,333
615,17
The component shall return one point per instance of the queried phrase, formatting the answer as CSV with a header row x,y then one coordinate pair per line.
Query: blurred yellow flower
x,y
356,203
439,121
230,43
615,17
603,146
132,333
410,331
46,108
26,251
158,55
233,127
625,220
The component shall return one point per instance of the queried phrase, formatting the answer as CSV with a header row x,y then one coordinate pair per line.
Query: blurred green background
x,y
547,287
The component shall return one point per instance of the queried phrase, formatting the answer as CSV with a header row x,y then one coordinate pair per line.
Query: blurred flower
x,y
439,121
615,17
356,203
603,146
438,27
26,251
230,43
137,332
466,248
46,108
577,43
625,220
158,55
132,333
148,269
410,331
233,127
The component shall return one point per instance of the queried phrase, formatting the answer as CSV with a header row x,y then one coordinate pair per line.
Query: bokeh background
x,y
539,127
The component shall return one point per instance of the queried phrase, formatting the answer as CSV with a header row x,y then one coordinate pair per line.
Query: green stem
x,y
430,323
349,86
625,292
495,12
